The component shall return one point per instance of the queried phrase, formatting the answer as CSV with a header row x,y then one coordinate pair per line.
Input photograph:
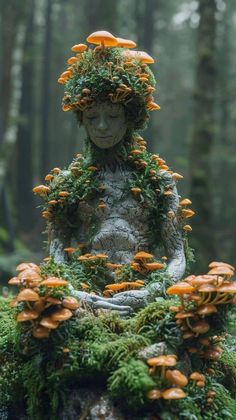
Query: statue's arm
x,y
171,234
58,238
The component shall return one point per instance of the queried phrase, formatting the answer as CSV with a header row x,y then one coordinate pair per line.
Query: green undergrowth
x,y
105,348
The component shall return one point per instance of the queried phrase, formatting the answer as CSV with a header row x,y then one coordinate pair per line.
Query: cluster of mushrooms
x,y
199,296
104,40
40,307
162,366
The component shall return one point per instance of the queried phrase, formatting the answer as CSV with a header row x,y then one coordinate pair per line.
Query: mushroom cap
x,y
54,282
24,266
40,332
190,278
180,288
196,376
27,315
104,37
204,279
214,264
182,315
212,353
48,322
187,213
78,48
206,309
27,295
154,266
201,327
61,315
52,300
140,56
185,202
154,394
14,281
221,271
41,190
142,256
175,377
39,305
70,302
188,334
227,288
163,360
207,288
173,394
127,43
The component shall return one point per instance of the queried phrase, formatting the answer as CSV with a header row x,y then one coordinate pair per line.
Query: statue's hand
x,y
124,303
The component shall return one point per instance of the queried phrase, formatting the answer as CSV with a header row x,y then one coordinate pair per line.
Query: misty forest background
x,y
193,43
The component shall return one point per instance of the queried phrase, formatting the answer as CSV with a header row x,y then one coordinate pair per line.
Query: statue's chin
x,y
105,143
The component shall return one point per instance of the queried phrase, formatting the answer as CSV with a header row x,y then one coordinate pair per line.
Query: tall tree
x,y
201,188
24,180
46,89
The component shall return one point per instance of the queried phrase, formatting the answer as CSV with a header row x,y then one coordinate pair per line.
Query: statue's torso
x,y
121,228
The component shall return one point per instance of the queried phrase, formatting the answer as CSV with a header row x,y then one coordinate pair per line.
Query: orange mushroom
x,y
103,38
49,323
125,43
61,315
40,332
70,302
27,295
154,394
78,48
180,288
27,315
140,256
54,282
154,266
173,394
41,190
175,377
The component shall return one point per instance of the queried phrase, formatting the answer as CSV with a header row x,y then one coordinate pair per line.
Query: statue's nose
x,y
102,123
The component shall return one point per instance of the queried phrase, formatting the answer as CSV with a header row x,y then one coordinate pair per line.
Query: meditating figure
x,y
120,200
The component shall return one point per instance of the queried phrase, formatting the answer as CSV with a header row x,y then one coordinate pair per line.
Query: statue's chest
x,y
115,200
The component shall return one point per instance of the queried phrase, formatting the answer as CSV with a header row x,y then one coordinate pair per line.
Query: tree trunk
x,y
46,92
201,188
24,181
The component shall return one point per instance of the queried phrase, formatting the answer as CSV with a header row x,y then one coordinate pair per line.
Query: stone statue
x,y
117,241
123,222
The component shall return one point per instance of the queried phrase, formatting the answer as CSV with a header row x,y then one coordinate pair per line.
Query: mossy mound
x,y
105,349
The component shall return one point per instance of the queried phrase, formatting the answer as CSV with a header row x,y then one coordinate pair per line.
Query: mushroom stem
x,y
189,323
222,299
163,369
218,298
206,299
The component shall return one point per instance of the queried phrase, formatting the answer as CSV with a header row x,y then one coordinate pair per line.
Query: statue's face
x,y
105,124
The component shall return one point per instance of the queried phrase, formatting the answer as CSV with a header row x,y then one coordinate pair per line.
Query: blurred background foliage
x,y
193,44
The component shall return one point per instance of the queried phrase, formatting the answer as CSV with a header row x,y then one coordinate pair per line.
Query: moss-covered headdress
x,y
110,71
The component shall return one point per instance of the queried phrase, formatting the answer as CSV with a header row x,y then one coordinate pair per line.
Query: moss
x,y
131,380
9,330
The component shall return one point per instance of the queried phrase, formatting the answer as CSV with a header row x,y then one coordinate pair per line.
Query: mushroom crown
x,y
102,37
109,72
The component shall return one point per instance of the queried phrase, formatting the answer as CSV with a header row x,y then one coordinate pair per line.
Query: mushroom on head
x,y
102,38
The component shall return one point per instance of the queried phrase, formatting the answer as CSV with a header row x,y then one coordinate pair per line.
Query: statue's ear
x,y
79,117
